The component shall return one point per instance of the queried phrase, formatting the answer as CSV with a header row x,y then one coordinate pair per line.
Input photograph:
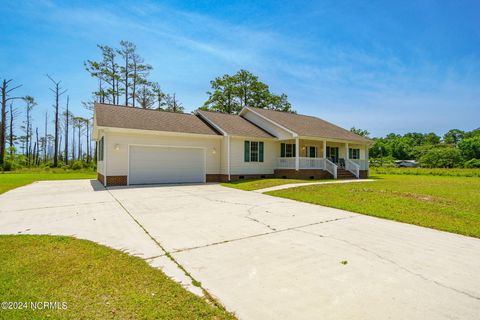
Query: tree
x,y
160,96
231,93
447,157
172,104
145,97
360,132
58,91
140,72
67,116
11,136
126,51
453,136
5,92
30,103
470,148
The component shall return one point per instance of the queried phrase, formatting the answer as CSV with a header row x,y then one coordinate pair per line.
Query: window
x,y
253,151
100,150
287,150
353,153
311,152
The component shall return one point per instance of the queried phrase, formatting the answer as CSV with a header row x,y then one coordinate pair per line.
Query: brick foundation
x,y
304,174
101,178
116,181
363,174
236,177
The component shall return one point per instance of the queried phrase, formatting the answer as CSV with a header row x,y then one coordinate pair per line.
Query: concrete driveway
x,y
265,257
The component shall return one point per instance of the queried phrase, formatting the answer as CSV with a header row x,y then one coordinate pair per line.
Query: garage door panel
x,y
150,165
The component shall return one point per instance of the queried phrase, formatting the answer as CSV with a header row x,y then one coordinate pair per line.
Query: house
x,y
141,146
406,163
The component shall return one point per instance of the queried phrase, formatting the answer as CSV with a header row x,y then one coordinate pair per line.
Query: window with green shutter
x,y
260,151
247,151
253,151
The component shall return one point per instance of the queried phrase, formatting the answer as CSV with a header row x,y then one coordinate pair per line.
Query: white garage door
x,y
149,165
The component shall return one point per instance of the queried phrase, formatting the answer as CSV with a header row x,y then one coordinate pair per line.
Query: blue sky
x,y
383,66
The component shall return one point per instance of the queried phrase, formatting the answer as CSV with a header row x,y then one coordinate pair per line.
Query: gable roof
x,y
146,119
308,125
234,125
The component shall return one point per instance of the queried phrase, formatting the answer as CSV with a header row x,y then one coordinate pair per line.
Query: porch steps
x,y
344,174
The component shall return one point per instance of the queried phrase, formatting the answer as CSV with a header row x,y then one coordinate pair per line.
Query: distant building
x,y
406,163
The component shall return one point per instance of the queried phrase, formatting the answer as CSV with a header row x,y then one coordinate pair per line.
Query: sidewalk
x,y
293,185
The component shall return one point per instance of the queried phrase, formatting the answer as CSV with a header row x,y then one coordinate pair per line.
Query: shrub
x,y
76,165
8,165
472,163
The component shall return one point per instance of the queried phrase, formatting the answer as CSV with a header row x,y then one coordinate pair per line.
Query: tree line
x,y
23,145
456,148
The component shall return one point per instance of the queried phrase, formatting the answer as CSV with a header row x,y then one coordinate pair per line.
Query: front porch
x,y
309,157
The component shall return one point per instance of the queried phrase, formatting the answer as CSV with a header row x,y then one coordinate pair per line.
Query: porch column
x,y
324,149
346,151
366,157
297,153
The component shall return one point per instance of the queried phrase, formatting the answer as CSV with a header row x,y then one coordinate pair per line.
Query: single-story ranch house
x,y
141,146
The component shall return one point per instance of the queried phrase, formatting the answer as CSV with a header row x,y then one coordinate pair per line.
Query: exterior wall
x,y
117,160
267,126
224,157
100,164
238,166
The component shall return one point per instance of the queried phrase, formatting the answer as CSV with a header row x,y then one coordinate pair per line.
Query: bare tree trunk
x,y
67,116
88,140
38,147
73,141
11,131
45,137
57,91
79,141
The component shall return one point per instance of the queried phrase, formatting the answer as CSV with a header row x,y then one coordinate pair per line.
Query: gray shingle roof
x,y
309,126
145,119
234,124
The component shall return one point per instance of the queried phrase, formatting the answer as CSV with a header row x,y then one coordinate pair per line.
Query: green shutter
x,y
282,150
260,151
350,152
247,151
294,151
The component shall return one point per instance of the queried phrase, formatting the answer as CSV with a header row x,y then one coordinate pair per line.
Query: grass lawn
x,y
15,179
96,282
250,185
440,202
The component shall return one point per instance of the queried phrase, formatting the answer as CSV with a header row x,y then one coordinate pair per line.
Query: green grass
x,y
96,282
440,202
455,172
15,179
249,185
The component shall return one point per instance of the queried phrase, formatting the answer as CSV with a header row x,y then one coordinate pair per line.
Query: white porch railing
x,y
285,163
304,163
331,167
362,163
312,163
353,167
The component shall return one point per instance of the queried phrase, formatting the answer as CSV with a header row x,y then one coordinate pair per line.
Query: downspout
x,y
105,148
228,157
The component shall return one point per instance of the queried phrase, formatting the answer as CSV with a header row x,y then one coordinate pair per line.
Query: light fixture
x,y
214,151
117,147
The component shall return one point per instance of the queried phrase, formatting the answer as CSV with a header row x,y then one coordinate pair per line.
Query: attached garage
x,y
159,164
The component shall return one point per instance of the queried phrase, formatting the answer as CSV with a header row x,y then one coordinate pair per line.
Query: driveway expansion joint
x,y
379,256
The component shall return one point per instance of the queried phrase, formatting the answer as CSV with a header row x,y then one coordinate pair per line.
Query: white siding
x,y
117,160
239,166
100,164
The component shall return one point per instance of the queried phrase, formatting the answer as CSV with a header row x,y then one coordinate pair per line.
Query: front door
x,y
332,154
